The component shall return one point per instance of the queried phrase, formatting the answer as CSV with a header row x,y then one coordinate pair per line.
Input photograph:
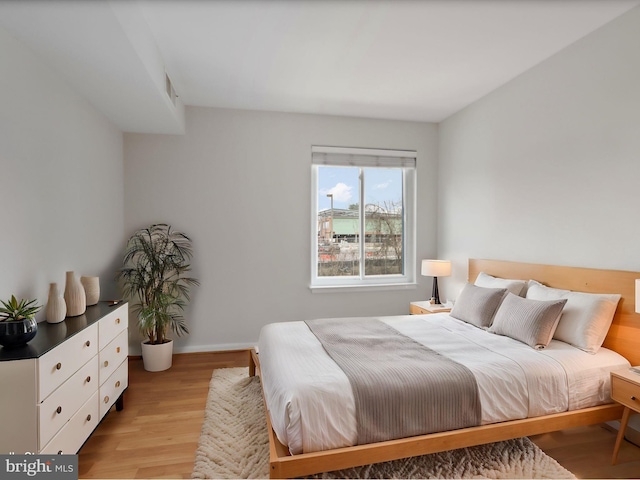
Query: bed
x,y
524,393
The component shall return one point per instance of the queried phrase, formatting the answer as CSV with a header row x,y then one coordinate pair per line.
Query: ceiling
x,y
403,59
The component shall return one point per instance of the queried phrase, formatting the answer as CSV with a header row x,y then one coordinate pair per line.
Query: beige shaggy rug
x,y
234,444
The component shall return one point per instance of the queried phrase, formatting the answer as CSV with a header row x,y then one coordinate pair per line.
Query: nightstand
x,y
422,308
625,389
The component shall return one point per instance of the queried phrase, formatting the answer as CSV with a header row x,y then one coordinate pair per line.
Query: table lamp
x,y
435,269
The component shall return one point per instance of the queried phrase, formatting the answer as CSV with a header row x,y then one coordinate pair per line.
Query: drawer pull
x,y
106,363
58,366
118,384
117,321
59,410
106,399
89,418
88,378
118,350
633,398
88,343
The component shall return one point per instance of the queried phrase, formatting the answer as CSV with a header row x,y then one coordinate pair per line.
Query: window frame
x,y
406,160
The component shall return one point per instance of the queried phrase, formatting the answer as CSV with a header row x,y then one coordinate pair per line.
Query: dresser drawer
x,y
111,389
113,324
62,404
112,355
625,392
57,365
74,433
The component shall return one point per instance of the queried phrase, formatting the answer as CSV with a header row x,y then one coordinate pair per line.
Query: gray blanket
x,y
401,388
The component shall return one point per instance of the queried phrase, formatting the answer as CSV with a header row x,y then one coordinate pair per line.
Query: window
x,y
363,222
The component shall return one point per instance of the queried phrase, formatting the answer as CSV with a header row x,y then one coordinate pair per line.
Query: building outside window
x,y
363,190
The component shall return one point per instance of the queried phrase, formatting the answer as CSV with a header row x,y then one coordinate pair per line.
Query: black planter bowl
x,y
17,333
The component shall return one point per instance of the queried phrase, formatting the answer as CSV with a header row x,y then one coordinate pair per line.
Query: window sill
x,y
361,288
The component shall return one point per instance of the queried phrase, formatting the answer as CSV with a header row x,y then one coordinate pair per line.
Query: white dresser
x,y
56,389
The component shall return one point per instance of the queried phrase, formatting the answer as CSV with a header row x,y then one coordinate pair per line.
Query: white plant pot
x,y
157,358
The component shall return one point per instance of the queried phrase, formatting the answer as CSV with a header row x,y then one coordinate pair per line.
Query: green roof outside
x,y
350,226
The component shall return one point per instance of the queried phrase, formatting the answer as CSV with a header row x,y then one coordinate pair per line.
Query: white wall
x,y
238,183
546,169
61,192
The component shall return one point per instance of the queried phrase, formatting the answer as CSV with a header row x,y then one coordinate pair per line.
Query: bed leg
x,y
253,360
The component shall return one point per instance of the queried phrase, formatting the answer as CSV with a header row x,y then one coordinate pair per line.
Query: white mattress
x,y
312,407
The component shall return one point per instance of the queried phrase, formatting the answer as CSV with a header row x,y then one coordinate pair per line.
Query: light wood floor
x,y
156,434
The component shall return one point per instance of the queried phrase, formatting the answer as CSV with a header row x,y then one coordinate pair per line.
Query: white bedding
x,y
312,407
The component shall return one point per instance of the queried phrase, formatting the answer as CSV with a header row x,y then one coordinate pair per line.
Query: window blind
x,y
363,157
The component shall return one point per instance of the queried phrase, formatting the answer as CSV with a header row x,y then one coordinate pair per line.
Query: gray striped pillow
x,y
477,305
529,321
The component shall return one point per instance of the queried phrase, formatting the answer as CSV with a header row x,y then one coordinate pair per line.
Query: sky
x,y
381,185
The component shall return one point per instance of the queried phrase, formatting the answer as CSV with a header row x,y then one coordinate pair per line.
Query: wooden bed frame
x,y
623,337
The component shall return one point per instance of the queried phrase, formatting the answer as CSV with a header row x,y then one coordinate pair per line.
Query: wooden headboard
x,y
624,334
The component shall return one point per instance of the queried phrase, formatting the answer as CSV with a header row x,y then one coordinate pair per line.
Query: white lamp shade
x,y
436,268
638,296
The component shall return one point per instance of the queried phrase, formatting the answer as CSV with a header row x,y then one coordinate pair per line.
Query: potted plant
x,y
155,274
17,321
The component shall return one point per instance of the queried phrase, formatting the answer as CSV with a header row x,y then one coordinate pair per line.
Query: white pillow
x,y
529,321
514,286
477,305
586,317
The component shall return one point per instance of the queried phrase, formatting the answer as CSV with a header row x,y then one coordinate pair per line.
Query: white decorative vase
x,y
91,289
157,358
56,306
74,296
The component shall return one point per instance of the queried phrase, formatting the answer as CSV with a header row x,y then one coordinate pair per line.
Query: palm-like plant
x,y
13,311
155,272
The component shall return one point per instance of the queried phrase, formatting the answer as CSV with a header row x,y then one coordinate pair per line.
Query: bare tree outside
x,y
384,244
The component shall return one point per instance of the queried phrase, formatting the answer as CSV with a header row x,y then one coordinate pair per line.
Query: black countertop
x,y
50,335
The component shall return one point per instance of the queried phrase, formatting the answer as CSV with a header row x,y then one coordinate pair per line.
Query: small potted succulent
x,y
17,321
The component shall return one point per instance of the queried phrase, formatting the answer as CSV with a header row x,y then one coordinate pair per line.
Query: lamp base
x,y
435,296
